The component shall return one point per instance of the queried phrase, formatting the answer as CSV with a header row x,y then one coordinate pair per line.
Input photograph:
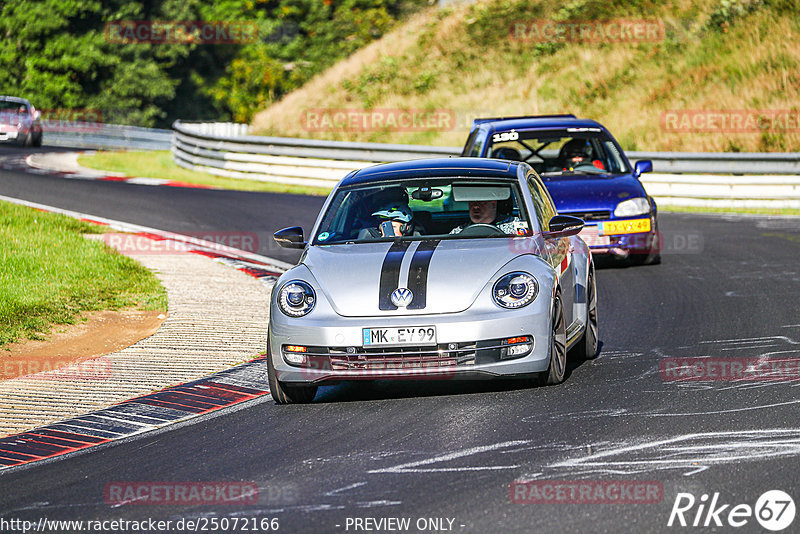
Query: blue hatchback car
x,y
587,175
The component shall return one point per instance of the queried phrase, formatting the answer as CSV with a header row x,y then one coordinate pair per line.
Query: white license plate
x,y
407,335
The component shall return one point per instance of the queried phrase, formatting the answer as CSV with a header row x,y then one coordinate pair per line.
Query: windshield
x,y
7,106
452,208
560,152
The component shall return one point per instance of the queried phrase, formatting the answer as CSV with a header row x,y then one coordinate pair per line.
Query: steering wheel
x,y
482,229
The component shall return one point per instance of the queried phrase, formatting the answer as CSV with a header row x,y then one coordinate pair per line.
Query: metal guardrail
x,y
722,162
99,135
201,135
691,179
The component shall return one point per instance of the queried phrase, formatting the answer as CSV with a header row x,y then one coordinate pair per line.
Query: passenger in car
x,y
400,217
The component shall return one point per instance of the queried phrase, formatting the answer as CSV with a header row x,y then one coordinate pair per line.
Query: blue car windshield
x,y
420,209
568,151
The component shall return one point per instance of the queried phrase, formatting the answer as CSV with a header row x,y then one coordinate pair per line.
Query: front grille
x,y
411,357
589,215
443,355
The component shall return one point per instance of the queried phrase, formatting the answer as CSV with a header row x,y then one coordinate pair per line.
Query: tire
x,y
558,346
38,140
28,141
283,393
586,348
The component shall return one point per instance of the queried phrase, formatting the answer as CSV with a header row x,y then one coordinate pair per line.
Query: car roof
x,y
536,122
477,168
16,99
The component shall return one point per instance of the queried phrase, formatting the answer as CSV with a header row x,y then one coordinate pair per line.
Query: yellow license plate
x,y
634,226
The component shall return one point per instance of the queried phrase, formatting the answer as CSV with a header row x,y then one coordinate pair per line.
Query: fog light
x,y
294,358
516,347
518,350
293,354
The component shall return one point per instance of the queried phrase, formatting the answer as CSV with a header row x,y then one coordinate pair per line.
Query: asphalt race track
x,y
728,288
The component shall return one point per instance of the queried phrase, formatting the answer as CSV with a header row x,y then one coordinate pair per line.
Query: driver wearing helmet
x,y
578,152
399,215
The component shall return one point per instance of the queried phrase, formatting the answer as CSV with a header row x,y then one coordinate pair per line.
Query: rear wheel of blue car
x,y
284,393
586,348
558,346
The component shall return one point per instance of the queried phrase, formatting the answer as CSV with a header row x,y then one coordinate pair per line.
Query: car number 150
x,y
505,136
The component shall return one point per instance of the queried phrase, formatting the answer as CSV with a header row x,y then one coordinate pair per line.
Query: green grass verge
x,y
50,274
159,164
751,211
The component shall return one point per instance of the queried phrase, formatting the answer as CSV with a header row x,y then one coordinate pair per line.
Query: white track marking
x,y
691,452
346,488
412,467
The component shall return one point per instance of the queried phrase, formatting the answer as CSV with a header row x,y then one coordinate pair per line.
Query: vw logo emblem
x,y
401,297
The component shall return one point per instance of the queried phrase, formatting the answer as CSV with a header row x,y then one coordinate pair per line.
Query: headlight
x,y
296,298
515,290
632,207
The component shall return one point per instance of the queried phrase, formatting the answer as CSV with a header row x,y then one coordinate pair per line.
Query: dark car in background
x,y
19,122
586,173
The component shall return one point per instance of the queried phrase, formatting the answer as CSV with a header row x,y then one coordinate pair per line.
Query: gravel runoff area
x,y
217,317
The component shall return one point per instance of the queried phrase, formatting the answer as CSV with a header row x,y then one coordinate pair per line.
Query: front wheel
x,y
558,346
284,393
586,348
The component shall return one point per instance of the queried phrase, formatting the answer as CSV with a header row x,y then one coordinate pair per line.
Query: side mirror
x,y
36,114
563,226
290,237
642,166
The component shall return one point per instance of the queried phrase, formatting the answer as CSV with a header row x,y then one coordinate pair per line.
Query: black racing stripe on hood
x,y
390,274
418,273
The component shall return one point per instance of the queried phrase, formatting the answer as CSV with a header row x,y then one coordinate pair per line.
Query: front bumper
x,y
621,244
466,346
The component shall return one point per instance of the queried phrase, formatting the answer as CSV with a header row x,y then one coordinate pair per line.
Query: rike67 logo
x,y
774,510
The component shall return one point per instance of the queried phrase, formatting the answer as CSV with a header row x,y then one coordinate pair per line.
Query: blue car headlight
x,y
296,298
632,207
515,290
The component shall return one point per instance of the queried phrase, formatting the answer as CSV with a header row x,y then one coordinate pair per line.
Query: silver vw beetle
x,y
432,269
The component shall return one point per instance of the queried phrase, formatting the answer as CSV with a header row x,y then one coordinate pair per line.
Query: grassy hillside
x,y
714,55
